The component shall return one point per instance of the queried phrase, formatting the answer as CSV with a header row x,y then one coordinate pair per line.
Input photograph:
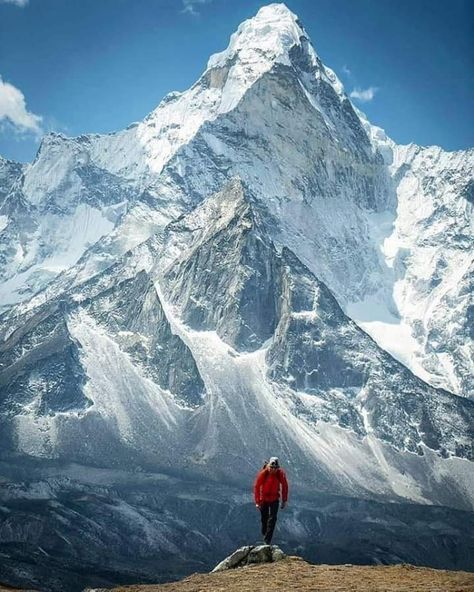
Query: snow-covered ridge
x,y
268,36
425,242
389,231
262,41
67,171
258,45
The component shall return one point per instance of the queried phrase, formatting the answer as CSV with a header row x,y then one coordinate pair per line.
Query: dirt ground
x,y
295,575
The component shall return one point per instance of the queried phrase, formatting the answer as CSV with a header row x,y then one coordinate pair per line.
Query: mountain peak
x,y
268,36
273,36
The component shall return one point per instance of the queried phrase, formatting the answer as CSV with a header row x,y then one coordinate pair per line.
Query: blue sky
x,y
80,66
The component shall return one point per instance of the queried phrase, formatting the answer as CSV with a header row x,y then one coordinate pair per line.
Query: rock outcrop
x,y
250,555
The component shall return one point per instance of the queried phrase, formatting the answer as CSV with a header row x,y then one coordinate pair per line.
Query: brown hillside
x,y
295,575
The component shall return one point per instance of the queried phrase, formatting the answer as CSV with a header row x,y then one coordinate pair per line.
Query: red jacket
x,y
267,486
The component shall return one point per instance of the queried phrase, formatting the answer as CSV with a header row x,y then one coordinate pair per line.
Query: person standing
x,y
270,480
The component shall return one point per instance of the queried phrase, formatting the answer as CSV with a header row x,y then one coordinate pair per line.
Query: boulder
x,y
250,555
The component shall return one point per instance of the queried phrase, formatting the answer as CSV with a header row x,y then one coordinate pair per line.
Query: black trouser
x,y
268,513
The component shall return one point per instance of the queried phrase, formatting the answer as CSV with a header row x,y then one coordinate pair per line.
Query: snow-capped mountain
x,y
253,268
206,329
387,228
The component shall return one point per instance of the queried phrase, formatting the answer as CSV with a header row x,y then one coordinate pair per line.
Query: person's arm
x,y
284,488
257,489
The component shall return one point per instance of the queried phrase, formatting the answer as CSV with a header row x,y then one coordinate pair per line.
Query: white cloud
x,y
346,70
364,95
189,6
19,3
13,109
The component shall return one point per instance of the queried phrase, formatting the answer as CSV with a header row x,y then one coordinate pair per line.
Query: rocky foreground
x,y
292,573
295,574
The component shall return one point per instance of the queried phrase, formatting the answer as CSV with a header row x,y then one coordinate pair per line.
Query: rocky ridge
x,y
294,574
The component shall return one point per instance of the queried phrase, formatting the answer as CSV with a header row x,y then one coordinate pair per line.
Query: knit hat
x,y
274,462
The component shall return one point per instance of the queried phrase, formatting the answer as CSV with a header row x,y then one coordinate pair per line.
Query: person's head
x,y
273,463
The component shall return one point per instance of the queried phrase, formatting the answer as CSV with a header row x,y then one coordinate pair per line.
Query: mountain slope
x,y
339,194
301,371
84,377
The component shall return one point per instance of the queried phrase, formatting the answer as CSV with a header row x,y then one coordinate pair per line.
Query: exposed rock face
x,y
249,555
309,348
10,172
228,282
59,393
133,316
318,350
40,368
57,208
